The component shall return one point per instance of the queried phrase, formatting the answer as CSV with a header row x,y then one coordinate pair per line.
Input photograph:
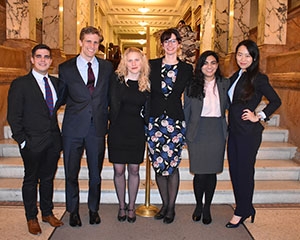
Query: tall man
x,y
32,107
85,81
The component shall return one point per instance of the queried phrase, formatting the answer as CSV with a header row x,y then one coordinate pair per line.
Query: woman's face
x,y
170,45
209,68
134,63
243,58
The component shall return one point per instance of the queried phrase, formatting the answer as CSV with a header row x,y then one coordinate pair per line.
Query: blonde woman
x,y
129,93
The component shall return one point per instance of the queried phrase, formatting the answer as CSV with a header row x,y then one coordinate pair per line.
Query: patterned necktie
x,y
49,98
91,78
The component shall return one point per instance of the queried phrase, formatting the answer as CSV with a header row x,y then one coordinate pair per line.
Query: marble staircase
x,y
277,175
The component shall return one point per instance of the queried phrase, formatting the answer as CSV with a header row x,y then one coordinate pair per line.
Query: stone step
x,y
270,126
264,170
268,150
265,192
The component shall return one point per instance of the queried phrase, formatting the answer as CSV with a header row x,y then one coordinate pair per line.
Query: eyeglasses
x,y
173,41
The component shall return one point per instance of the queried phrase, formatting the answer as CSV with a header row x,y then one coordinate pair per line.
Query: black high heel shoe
x,y
131,219
122,218
231,225
196,217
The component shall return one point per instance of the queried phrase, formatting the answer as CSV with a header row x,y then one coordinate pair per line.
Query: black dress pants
x,y
242,151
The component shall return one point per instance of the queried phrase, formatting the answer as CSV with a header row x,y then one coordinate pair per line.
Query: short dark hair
x,y
166,35
40,46
90,30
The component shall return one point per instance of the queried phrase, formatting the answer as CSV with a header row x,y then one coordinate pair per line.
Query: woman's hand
x,y
248,115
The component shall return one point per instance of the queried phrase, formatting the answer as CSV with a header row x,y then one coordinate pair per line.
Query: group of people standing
x,y
139,103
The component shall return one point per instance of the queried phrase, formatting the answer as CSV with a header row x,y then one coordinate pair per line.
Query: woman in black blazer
x,y
166,129
248,86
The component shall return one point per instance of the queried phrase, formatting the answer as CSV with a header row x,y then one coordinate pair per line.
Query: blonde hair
x,y
122,71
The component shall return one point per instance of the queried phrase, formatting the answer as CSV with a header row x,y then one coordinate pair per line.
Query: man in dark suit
x,y
85,80
32,107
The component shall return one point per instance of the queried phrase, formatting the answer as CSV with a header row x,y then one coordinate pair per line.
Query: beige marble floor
x,y
276,223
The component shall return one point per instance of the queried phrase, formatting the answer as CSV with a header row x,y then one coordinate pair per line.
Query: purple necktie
x,y
91,78
49,99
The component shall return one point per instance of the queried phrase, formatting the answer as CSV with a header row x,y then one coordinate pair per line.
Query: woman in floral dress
x,y
166,129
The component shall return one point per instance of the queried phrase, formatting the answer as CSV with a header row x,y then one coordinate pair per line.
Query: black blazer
x,y
172,105
115,93
262,88
28,114
81,107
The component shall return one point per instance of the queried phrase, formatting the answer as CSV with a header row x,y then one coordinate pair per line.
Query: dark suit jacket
x,y
81,107
193,109
28,114
262,88
172,105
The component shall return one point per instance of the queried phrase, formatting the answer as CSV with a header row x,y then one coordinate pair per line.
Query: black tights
x,y
120,184
204,184
168,188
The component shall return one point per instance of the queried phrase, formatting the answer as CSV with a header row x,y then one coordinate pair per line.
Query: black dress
x,y
126,136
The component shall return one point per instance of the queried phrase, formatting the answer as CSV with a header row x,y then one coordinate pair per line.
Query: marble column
x,y
21,18
52,31
70,33
272,22
207,33
221,27
239,22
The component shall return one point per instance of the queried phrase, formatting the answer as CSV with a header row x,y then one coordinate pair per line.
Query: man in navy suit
x,y
85,121
33,122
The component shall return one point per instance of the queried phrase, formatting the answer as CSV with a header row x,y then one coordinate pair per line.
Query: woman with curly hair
x,y
129,93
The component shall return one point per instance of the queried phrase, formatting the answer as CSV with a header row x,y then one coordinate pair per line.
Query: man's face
x,y
89,46
41,61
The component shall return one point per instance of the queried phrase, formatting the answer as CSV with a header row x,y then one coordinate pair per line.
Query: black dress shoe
x,y
131,219
169,220
161,214
206,215
122,218
75,220
197,214
94,217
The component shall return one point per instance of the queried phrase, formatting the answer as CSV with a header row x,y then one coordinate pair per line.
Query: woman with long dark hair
x,y
205,103
248,86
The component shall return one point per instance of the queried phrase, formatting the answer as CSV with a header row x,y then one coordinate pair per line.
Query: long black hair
x,y
196,86
252,70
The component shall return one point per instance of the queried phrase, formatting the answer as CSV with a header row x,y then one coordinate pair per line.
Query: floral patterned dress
x,y
166,136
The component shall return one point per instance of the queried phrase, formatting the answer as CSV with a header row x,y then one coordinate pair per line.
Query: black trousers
x,y
39,171
242,151
73,150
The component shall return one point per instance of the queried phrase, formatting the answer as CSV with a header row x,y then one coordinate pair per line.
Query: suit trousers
x,y
73,151
39,169
242,151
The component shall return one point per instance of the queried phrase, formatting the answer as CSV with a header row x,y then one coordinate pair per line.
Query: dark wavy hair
x,y
252,70
196,86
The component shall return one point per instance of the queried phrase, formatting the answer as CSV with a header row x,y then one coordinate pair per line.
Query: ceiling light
x,y
143,10
142,41
142,32
142,23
